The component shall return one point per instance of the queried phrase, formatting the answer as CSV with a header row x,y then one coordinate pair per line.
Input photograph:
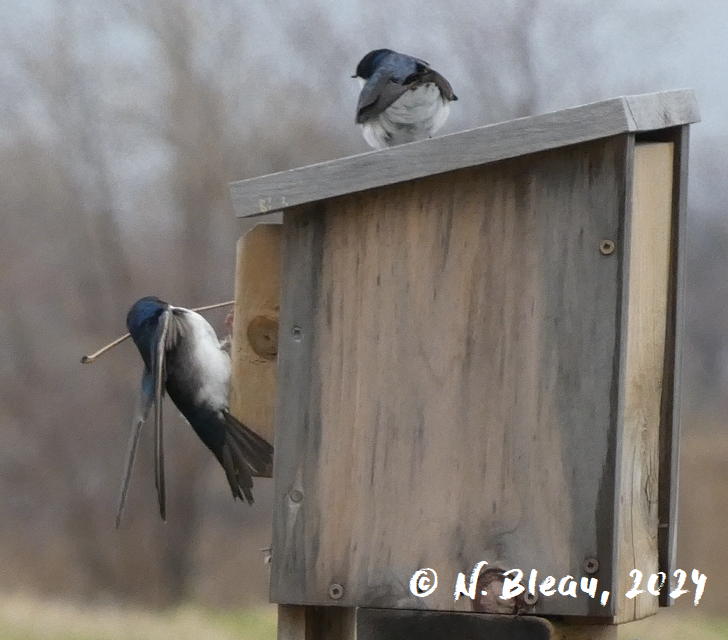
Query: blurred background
x,y
122,123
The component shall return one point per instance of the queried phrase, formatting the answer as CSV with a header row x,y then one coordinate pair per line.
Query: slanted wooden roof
x,y
627,114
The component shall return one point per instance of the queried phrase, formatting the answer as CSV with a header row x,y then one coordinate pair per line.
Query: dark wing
x,y
419,61
158,377
146,398
243,454
379,92
443,85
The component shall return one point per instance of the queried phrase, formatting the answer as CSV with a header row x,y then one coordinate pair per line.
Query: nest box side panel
x,y
649,248
448,383
670,414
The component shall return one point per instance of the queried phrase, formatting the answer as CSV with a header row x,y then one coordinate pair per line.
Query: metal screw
x,y
296,333
530,598
607,247
296,495
336,591
591,565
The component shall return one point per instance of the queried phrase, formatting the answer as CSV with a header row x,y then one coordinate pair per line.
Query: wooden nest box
x,y
478,361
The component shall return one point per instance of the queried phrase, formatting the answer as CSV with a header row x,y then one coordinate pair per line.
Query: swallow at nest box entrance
x,y
183,356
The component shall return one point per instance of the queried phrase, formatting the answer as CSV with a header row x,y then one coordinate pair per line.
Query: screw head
x,y
607,247
296,495
336,591
591,565
530,598
296,333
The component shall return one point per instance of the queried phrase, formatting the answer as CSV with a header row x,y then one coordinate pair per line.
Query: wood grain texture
x,y
648,244
655,111
479,146
316,623
291,622
671,392
297,415
452,394
257,291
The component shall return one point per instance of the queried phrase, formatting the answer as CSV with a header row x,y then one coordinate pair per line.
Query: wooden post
x,y
316,623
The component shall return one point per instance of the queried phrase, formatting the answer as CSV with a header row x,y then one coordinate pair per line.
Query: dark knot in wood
x,y
491,582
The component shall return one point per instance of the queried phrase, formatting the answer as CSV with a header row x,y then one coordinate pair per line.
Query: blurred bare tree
x,y
120,128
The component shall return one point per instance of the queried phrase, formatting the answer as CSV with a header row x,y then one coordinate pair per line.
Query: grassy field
x,y
674,624
24,618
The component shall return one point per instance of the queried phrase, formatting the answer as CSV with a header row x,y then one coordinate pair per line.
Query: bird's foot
x,y
227,342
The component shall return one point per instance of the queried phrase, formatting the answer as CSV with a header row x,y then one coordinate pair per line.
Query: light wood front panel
x,y
649,267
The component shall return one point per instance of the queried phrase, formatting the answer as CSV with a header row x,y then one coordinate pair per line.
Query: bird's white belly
x,y
417,106
415,115
214,361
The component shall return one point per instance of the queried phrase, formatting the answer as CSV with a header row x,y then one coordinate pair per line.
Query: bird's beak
x,y
355,76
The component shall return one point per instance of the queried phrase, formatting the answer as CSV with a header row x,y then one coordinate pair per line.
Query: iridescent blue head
x,y
370,62
142,322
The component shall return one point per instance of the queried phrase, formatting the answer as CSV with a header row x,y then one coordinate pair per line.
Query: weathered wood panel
x,y
297,416
660,110
448,393
646,292
255,328
492,143
670,409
